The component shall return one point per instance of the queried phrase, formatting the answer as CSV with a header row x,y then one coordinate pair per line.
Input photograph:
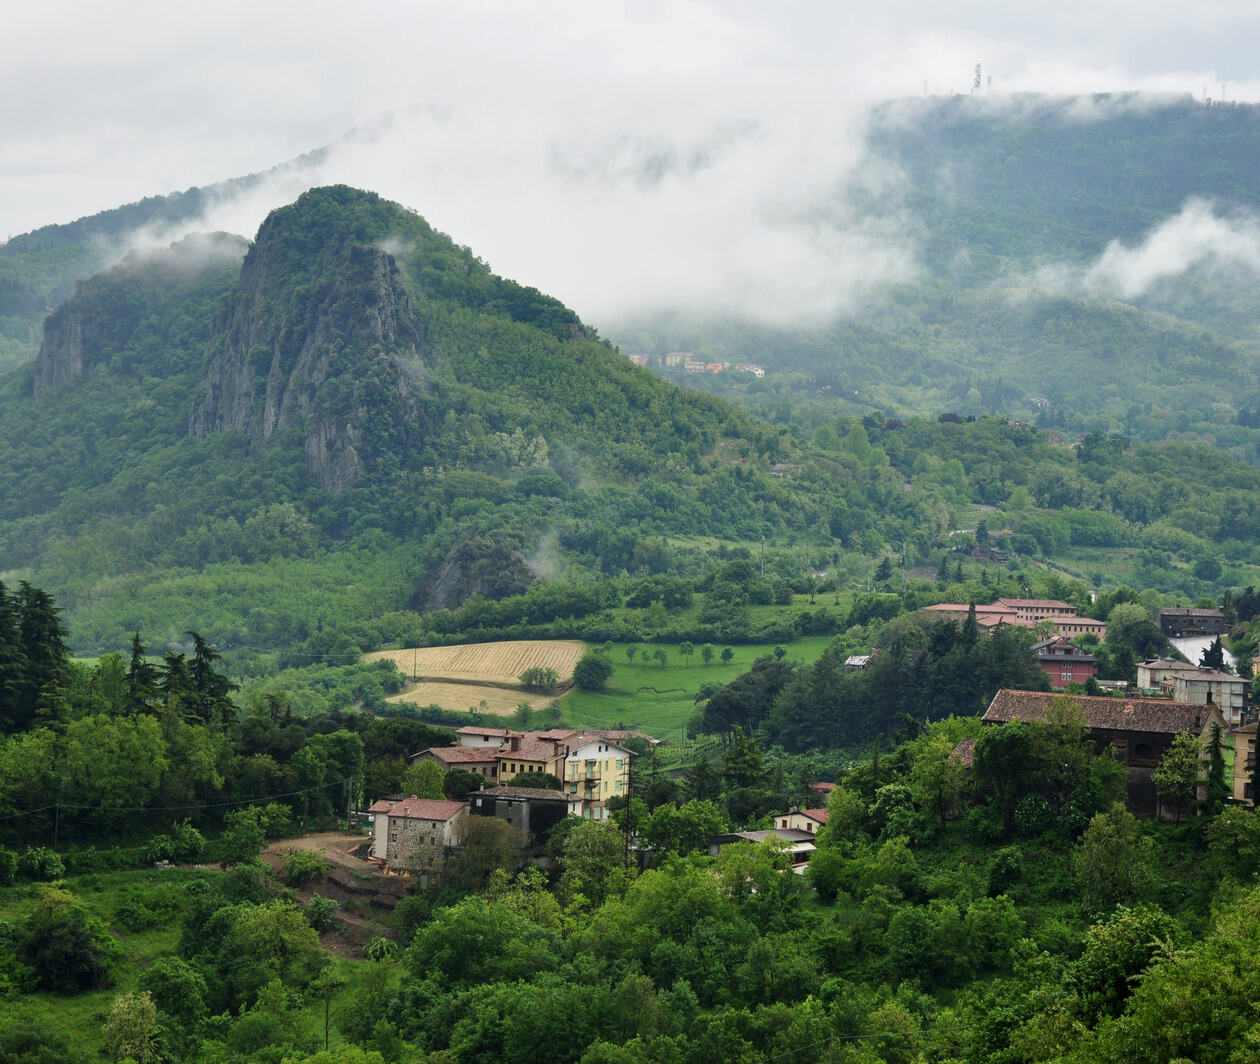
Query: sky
x,y
649,152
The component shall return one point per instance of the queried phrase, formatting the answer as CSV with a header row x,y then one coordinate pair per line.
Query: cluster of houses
x,y
414,834
688,363
1026,613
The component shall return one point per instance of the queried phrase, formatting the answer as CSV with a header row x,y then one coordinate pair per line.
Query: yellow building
x,y
595,771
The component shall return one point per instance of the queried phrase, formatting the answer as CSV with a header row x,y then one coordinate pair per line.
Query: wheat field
x,y
465,676
461,697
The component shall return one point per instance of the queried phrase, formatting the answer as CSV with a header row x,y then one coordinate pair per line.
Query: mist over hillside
x,y
938,228
349,401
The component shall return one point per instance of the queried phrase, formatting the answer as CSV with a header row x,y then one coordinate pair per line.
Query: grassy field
x,y
659,700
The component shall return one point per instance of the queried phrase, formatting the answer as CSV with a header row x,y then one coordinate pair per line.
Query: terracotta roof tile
x,y
426,809
1112,714
462,755
537,793
965,751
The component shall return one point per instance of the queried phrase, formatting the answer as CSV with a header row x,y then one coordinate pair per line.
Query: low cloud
x,y
1196,239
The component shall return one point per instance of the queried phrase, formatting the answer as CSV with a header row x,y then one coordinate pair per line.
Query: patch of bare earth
x,y
366,895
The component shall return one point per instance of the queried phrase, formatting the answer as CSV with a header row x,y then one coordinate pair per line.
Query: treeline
x,y
921,670
131,744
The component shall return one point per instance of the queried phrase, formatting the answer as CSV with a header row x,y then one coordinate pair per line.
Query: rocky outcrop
x,y
102,317
314,338
479,566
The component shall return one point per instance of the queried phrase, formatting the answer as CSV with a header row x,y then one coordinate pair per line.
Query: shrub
x,y
8,866
377,948
302,866
39,862
321,913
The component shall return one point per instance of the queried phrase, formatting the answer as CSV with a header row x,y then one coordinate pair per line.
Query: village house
x,y
987,617
500,754
1064,662
1177,622
416,835
1138,731
1209,687
1025,613
596,769
533,810
529,753
479,735
482,760
1033,611
798,844
1156,674
809,820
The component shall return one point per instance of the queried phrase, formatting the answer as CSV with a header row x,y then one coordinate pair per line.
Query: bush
x,y
302,866
8,866
135,916
321,913
379,949
592,671
39,862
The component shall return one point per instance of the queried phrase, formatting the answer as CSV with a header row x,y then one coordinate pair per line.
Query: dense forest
x,y
1010,910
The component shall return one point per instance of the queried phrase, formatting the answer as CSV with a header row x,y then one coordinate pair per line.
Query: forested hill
x,y
359,394
1082,263
287,444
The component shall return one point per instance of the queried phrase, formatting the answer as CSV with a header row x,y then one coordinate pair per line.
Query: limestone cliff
x,y
102,318
315,338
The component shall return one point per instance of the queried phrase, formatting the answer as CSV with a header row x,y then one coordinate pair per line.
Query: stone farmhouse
x,y
1138,731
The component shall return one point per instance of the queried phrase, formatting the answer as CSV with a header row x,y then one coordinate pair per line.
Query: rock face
x,y
102,317
314,339
479,565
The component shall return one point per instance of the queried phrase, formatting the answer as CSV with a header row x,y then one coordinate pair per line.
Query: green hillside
x,y
278,445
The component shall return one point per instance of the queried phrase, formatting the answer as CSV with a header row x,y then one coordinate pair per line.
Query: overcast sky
x,y
676,148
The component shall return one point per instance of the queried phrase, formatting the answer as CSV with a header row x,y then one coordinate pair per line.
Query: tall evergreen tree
x,y
142,678
11,660
44,655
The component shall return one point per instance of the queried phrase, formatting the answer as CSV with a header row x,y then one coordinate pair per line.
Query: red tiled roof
x,y
965,751
426,809
538,750
1101,712
462,755
477,729
1023,603
819,815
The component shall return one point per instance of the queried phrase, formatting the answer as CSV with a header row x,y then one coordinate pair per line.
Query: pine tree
x,y
44,655
142,678
11,660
